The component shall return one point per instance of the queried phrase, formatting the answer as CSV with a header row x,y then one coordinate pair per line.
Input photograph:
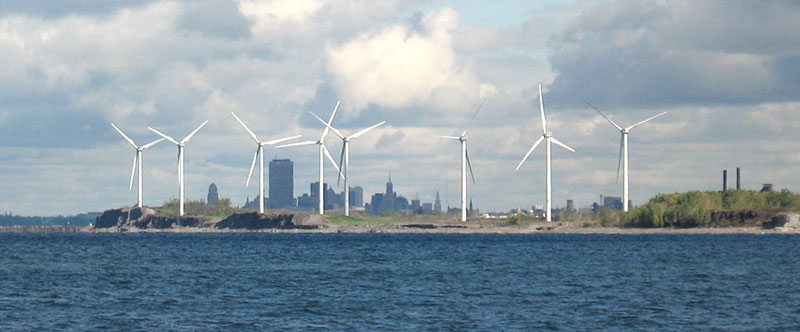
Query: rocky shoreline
x,y
144,220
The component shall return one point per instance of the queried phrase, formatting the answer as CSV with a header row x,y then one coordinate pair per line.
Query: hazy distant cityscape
x,y
281,196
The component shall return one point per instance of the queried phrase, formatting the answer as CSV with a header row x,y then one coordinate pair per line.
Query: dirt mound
x,y
254,221
119,217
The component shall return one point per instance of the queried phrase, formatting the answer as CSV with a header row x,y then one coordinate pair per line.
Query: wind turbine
x,y
345,157
623,152
180,160
547,137
136,158
259,154
465,163
322,151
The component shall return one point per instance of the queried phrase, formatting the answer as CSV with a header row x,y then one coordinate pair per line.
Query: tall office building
x,y
281,184
437,205
356,196
212,196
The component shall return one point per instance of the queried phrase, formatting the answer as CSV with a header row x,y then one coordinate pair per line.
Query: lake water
x,y
215,282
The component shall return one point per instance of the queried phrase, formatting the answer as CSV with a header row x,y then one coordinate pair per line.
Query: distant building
x,y
213,196
766,188
356,196
437,205
416,206
382,203
570,205
427,207
613,202
333,201
375,204
254,203
281,184
307,202
311,202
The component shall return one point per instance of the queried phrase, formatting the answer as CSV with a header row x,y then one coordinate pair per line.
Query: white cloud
x,y
399,67
268,12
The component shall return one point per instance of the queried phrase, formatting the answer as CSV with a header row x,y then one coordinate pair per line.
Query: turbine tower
x,y
345,157
180,161
547,137
322,151
465,163
260,155
137,163
623,152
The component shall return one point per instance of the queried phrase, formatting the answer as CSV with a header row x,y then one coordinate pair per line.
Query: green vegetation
x,y
704,209
363,218
221,209
519,220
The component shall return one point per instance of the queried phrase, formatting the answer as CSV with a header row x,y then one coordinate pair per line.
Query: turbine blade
x,y
619,161
651,118
328,126
170,139
364,131
250,132
448,137
330,158
133,171
125,136
276,141
541,109
296,144
330,121
341,159
601,113
195,132
252,167
539,141
559,143
152,143
469,164
473,117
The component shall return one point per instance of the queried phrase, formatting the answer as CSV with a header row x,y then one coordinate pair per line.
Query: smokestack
x,y
724,180
738,179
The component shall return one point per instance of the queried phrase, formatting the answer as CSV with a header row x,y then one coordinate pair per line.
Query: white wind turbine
x,y
259,154
547,137
180,161
322,151
136,158
465,163
623,153
345,157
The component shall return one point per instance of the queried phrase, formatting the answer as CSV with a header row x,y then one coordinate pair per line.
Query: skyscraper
x,y
213,196
437,206
356,196
281,184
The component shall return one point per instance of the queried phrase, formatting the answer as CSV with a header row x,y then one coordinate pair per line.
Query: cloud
x,y
399,67
48,9
280,10
216,19
656,53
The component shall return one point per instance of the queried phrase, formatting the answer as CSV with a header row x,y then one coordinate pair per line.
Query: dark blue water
x,y
218,282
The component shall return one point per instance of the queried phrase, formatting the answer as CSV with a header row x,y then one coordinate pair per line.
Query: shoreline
x,y
412,228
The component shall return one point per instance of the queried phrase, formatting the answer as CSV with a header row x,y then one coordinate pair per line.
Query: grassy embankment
x,y
733,208
364,218
221,210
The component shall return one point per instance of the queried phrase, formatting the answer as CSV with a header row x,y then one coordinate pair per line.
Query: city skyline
x,y
726,72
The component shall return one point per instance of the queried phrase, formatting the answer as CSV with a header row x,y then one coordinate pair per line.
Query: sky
x,y
728,73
